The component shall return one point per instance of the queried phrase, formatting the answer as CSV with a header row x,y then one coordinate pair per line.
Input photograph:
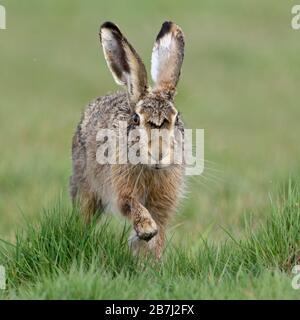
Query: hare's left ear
x,y
167,58
124,63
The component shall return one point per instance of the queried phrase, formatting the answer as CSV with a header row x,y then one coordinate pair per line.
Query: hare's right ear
x,y
124,63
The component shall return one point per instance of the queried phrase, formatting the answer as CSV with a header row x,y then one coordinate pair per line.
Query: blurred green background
x,y
240,82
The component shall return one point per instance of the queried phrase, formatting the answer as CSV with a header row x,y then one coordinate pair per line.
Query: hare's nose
x,y
157,124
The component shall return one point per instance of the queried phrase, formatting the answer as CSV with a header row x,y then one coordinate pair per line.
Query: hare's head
x,y
151,108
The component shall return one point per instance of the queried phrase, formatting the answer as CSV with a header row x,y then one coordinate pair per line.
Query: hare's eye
x,y
136,119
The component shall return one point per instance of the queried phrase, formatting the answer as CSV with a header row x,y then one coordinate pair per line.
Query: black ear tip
x,y
109,25
165,28
167,24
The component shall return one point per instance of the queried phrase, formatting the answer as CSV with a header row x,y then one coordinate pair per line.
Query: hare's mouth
x,y
160,166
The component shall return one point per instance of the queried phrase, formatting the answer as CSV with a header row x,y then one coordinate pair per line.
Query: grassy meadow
x,y
236,235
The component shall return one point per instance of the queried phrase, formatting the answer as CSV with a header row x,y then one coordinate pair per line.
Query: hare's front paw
x,y
145,228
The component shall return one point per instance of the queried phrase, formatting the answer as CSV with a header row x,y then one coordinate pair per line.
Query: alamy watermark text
x,y
295,23
2,18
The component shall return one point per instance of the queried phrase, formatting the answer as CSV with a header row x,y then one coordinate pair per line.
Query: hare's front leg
x,y
154,246
143,224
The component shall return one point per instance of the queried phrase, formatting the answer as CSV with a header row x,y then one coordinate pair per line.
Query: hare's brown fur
x,y
146,196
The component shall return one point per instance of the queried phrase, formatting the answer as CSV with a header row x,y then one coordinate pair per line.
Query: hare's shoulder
x,y
108,106
104,111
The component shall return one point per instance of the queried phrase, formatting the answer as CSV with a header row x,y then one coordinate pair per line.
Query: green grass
x,y
62,258
240,82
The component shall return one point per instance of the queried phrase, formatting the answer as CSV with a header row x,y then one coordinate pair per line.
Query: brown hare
x,y
147,194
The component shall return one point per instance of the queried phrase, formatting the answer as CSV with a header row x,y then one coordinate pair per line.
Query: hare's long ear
x,y
124,63
167,58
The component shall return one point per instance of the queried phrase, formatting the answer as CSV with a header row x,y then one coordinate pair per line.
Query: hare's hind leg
x,y
156,245
84,199
80,192
88,206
